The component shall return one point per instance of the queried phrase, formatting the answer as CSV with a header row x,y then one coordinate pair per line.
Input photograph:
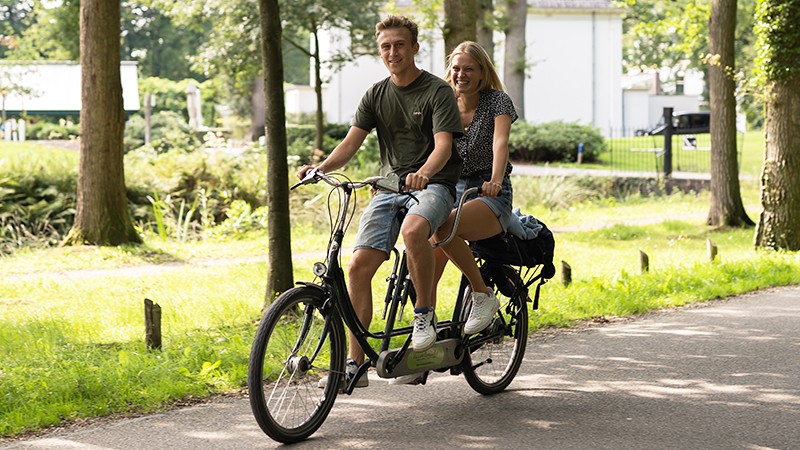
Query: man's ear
x,y
416,47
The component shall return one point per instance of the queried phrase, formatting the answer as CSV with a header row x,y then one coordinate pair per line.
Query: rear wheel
x,y
495,354
299,341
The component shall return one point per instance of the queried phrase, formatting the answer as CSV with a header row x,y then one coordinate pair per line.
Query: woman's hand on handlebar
x,y
490,189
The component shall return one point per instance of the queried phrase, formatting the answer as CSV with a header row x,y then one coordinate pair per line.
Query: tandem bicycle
x,y
301,337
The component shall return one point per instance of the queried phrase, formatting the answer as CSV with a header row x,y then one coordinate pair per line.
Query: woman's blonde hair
x,y
490,79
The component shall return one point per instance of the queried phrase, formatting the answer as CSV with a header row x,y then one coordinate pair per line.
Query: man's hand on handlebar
x,y
416,181
301,172
307,174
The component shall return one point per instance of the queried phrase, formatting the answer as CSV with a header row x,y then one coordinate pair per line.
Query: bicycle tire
x,y
491,366
296,344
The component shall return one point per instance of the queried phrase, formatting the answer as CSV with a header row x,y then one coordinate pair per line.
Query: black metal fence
x,y
675,150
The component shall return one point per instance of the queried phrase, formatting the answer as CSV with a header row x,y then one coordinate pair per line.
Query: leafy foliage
x,y
674,35
168,131
778,37
15,17
37,198
42,129
171,95
148,36
301,138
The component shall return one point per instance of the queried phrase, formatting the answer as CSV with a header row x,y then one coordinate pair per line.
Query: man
x,y
415,114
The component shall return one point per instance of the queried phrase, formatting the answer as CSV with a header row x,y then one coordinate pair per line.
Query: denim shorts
x,y
500,205
380,225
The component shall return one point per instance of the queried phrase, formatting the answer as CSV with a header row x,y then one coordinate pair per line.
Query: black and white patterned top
x,y
475,145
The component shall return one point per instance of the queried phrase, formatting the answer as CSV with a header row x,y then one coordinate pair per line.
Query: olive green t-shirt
x,y
406,118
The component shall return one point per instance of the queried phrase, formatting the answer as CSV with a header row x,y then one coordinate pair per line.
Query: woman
x,y
486,114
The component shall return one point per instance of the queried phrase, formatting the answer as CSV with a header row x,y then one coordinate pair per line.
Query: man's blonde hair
x,y
393,21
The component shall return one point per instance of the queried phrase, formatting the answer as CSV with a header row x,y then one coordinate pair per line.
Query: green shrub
x,y
168,130
180,194
301,140
37,197
203,183
554,141
171,96
337,130
241,219
44,130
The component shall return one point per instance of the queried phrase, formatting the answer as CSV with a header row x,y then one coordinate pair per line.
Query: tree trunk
x,y
460,23
259,109
320,123
514,60
779,224
485,25
727,208
279,272
102,216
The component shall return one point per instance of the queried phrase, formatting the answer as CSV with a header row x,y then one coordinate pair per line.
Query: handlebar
x,y
389,183
454,228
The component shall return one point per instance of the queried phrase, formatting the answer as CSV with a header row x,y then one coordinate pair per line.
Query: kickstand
x,y
424,378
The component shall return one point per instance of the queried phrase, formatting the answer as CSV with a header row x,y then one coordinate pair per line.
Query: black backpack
x,y
509,249
502,251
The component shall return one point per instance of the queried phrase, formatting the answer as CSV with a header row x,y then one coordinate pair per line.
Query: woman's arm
x,y
502,128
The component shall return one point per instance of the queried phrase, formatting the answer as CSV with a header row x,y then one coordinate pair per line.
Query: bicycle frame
x,y
300,344
400,288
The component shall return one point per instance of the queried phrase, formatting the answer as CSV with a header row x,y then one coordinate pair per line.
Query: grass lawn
x,y
644,153
72,328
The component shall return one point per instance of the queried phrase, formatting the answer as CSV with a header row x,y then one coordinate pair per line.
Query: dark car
x,y
685,123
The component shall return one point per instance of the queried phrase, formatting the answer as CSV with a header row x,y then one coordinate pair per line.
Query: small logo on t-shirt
x,y
416,113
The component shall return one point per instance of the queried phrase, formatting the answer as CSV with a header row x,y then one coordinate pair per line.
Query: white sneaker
x,y
412,378
484,306
350,370
423,335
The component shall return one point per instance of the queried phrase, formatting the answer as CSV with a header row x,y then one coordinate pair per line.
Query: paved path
x,y
720,376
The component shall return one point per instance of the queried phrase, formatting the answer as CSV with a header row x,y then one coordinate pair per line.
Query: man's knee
x,y
364,264
415,229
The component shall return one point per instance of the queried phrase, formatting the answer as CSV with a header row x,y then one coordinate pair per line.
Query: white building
x,y
54,88
644,97
574,52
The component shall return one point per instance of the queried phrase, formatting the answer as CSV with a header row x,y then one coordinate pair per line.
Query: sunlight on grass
x,y
72,325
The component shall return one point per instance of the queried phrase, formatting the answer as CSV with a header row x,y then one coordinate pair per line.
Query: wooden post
x,y
152,324
566,274
712,250
147,106
644,261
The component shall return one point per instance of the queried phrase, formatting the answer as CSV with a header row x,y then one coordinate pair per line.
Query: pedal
x,y
443,354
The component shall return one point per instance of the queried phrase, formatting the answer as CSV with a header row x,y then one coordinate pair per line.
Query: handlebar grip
x,y
311,176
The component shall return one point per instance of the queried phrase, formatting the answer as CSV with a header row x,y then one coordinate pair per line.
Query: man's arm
x,y
442,151
341,154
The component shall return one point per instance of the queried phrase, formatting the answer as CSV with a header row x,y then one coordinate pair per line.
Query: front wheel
x,y
495,354
299,341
